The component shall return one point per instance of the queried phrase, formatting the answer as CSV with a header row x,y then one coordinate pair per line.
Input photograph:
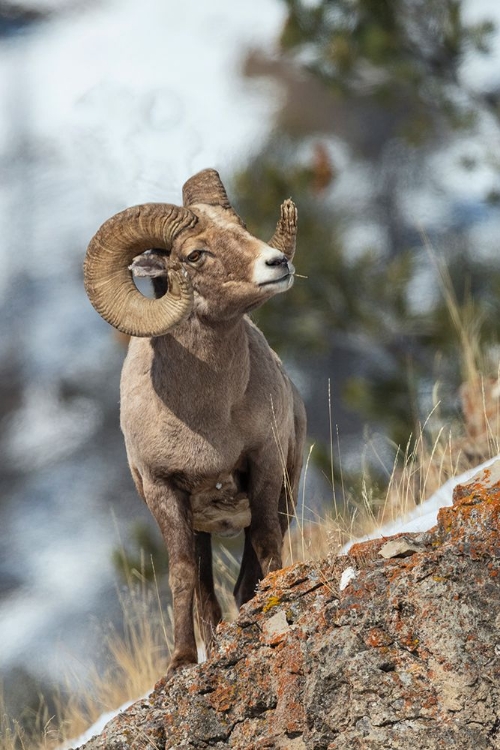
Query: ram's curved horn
x,y
109,283
286,230
206,187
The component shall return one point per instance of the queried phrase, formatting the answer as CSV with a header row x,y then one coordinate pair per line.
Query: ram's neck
x,y
205,361
219,346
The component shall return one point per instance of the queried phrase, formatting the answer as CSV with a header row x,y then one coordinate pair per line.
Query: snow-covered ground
x,y
97,727
424,517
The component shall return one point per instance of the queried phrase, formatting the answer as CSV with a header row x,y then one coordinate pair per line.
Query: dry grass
x,y
440,450
134,659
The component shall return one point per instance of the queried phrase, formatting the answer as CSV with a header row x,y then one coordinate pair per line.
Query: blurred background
x,y
381,118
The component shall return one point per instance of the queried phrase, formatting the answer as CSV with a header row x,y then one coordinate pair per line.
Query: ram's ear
x,y
152,263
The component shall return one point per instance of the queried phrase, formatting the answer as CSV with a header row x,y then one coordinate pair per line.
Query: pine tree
x,y
375,110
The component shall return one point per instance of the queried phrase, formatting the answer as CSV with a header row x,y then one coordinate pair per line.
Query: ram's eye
x,y
195,256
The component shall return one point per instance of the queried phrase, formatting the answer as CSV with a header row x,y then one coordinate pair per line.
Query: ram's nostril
x,y
279,260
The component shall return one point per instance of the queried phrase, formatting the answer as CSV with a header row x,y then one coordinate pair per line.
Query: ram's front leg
x,y
172,511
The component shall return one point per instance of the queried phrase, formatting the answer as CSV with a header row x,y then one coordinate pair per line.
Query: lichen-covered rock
x,y
405,654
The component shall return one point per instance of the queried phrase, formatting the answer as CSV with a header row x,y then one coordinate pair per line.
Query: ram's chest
x,y
211,472
199,457
163,442
190,426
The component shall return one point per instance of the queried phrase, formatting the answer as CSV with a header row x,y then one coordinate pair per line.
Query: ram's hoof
x,y
180,661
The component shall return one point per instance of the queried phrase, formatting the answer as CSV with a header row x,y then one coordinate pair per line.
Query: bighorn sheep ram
x,y
213,427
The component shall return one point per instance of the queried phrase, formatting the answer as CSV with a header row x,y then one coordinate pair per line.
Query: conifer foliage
x,y
387,147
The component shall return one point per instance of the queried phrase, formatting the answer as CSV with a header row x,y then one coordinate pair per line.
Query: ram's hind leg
x,y
290,489
208,608
261,555
264,537
172,512
250,573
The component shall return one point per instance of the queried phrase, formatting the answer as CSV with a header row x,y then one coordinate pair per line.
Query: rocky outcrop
x,y
395,645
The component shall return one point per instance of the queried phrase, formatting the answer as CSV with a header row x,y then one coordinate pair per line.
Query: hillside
x,y
394,645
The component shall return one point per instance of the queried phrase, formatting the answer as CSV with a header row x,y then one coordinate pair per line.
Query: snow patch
x,y
98,726
424,517
347,576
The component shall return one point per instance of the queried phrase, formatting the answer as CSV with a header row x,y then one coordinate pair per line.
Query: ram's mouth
x,y
286,276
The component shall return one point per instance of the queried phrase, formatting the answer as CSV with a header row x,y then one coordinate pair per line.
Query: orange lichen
x,y
377,638
223,697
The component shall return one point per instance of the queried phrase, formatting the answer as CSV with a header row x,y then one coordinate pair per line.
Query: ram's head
x,y
201,256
